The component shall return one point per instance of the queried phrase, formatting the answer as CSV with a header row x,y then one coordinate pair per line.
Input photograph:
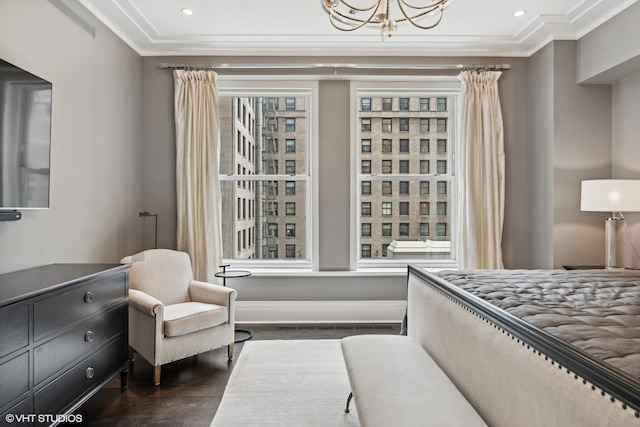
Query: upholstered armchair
x,y
172,316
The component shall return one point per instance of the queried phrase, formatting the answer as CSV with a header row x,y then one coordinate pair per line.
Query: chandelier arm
x,y
429,6
375,5
350,23
413,19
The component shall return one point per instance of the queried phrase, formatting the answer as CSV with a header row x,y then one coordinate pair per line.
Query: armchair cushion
x,y
188,317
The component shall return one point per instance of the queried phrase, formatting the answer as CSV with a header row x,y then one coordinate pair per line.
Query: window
x,y
387,208
404,187
290,230
290,167
365,187
366,251
254,179
441,208
366,145
386,188
365,209
290,103
424,166
404,208
290,145
290,251
290,208
403,166
365,104
394,189
387,166
290,187
365,125
272,208
290,124
424,187
366,166
424,208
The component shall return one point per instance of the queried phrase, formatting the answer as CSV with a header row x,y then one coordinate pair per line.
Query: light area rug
x,y
287,383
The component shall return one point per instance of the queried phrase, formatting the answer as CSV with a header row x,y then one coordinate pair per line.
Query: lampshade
x,y
610,195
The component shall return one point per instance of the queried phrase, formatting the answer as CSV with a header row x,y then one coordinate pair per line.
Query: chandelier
x,y
349,15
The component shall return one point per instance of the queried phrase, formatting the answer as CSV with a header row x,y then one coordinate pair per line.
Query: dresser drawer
x,y
62,309
69,386
14,329
15,378
73,344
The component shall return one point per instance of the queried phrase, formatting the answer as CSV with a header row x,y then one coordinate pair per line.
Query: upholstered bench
x,y
396,383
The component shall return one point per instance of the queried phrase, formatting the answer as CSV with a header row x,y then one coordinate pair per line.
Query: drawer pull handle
x,y
88,297
90,373
88,336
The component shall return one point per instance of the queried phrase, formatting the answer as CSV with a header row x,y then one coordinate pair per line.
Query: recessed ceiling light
x,y
187,12
519,13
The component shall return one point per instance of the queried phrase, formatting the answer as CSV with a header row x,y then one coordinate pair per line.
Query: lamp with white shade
x,y
615,196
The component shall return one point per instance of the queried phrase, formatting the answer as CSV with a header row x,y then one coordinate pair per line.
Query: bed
x,y
534,347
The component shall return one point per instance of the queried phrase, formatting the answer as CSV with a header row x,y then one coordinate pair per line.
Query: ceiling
x,y
301,27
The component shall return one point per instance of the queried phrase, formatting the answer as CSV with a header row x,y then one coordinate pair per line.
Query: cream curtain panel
x,y
480,171
199,213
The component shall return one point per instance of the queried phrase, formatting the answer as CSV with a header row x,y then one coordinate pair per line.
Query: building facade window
x,y
387,125
290,145
366,229
366,145
441,104
365,104
404,145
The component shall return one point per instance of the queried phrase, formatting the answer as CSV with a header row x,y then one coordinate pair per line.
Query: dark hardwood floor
x,y
190,390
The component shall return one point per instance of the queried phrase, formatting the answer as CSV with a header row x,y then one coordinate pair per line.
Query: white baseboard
x,y
320,311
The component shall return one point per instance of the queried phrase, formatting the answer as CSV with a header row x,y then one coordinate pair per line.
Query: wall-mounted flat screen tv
x,y
25,138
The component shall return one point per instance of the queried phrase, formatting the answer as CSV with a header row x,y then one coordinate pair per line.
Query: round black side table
x,y
241,335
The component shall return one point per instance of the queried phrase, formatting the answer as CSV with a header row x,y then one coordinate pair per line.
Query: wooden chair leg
x,y
156,375
230,351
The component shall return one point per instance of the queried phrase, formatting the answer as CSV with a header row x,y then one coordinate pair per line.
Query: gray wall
x,y
570,142
625,154
95,158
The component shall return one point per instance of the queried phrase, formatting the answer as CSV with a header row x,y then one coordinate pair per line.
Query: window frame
x,y
240,87
425,89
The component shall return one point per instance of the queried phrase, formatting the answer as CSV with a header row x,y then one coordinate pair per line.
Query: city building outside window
x,y
251,183
365,104
394,174
366,145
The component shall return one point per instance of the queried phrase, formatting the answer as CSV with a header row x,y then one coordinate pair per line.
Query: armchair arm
x,y
211,294
145,303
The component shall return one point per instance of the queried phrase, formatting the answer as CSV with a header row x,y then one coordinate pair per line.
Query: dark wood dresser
x,y
63,336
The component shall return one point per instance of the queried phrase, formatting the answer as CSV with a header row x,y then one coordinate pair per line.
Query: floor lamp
x,y
146,214
615,196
